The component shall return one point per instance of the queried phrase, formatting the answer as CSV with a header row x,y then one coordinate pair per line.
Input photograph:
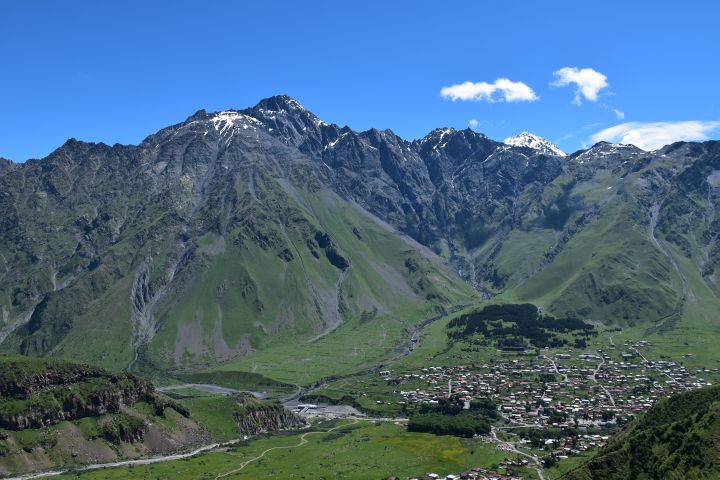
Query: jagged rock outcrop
x,y
38,393
253,416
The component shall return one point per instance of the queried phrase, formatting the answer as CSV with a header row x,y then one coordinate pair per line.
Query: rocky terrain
x,y
36,394
234,231
253,416
56,413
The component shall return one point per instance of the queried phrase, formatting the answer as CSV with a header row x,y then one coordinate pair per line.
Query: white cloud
x,y
589,82
651,136
473,124
500,90
620,115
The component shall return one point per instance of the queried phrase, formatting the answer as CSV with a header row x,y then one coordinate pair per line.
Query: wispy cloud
x,y
500,90
473,124
619,114
651,136
588,82
565,137
592,126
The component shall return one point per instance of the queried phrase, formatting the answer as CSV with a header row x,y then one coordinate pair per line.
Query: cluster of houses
x,y
505,471
586,393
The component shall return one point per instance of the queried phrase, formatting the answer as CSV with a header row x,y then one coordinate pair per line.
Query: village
x,y
503,472
553,405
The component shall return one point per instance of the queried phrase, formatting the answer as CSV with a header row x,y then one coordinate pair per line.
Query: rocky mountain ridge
x,y
183,231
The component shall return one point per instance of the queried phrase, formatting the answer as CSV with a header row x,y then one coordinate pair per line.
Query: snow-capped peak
x,y
529,140
285,105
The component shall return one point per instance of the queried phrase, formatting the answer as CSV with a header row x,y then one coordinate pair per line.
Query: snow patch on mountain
x,y
226,120
529,140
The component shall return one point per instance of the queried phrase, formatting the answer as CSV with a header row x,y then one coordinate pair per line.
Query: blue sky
x,y
118,71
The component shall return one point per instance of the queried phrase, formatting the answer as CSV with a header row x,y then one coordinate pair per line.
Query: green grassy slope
x,y
351,451
610,272
390,285
262,268
628,243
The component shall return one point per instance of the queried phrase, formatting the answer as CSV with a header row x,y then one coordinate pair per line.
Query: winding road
x,y
655,367
564,375
404,350
125,463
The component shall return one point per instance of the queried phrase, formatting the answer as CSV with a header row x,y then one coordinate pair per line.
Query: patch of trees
x,y
484,407
448,417
511,326
459,425
547,377
676,438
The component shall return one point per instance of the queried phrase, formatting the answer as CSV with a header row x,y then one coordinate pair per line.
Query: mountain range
x,y
245,231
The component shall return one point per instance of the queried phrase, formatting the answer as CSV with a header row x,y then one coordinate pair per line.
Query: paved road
x,y
594,379
125,463
655,367
564,375
405,350
210,388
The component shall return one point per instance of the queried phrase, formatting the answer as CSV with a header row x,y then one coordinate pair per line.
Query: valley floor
x,y
589,391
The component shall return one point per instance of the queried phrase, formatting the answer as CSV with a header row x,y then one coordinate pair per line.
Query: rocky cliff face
x,y
48,396
35,393
254,417
126,235
38,415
